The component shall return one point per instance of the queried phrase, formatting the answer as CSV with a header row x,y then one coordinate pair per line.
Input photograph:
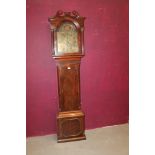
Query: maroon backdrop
x,y
104,69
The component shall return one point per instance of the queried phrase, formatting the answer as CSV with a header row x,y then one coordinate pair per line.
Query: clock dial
x,y
67,38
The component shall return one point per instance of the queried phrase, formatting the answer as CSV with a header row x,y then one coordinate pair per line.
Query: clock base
x,y
70,126
71,139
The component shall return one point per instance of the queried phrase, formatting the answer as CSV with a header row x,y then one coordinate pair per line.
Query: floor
x,y
112,140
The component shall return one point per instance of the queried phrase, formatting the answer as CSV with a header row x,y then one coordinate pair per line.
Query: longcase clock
x,y
67,31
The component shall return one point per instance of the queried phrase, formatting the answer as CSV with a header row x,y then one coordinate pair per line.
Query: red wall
x,y
104,69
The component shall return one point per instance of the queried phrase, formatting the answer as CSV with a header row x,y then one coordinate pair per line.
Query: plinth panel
x,y
70,126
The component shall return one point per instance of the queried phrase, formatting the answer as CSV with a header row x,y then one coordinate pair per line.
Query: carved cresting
x,y
68,49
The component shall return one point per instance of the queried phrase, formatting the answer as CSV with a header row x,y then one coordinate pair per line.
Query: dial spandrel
x,y
67,39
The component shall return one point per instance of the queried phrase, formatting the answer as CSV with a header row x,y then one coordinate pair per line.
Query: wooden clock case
x,y
70,119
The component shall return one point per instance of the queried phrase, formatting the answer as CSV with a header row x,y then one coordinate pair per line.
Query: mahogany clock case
x,y
68,49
